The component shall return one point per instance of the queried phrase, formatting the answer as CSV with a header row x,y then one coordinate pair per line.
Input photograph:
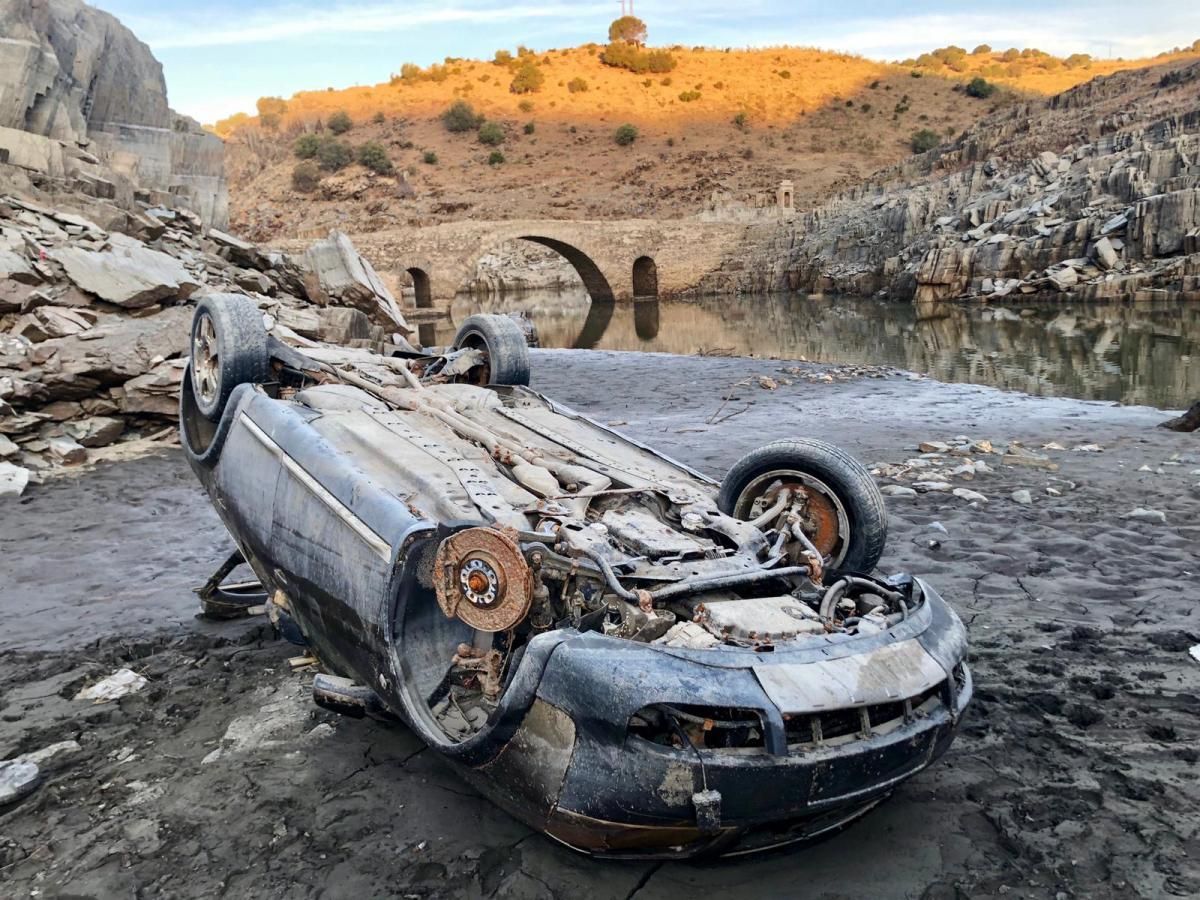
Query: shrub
x,y
461,116
741,120
689,96
981,49
430,158
785,74
1011,54
306,146
496,158
491,133
980,87
924,140
270,111
410,73
525,106
340,122
629,29
865,107
502,58
629,56
530,128
305,177
666,82
577,86
375,157
625,135
529,78
915,73
379,118
1082,60
333,155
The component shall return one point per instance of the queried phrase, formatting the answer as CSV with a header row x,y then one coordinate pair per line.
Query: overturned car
x,y
619,651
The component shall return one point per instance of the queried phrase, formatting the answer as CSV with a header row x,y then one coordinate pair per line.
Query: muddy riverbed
x,y
1075,774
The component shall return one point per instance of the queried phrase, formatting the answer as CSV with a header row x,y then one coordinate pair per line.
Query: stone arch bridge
x,y
617,260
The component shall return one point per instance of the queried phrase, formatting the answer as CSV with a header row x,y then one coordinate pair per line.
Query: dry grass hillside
x,y
736,121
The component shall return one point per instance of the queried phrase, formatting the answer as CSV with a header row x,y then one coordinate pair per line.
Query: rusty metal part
x,y
645,601
821,518
483,579
485,664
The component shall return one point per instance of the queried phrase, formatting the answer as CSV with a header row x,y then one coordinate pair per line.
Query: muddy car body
x,y
621,652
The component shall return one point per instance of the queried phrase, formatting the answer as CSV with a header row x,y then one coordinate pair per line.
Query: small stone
x,y
1145,469
7,447
1147,515
67,451
1088,448
969,495
899,491
17,780
938,526
924,486
933,447
1053,492
1024,497
1053,445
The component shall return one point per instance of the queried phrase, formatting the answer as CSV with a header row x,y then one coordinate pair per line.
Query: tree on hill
x,y
529,78
270,111
629,29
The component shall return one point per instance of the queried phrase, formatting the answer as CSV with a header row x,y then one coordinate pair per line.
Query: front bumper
x,y
843,725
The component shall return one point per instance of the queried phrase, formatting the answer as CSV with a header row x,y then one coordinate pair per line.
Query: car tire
x,y
504,343
229,347
828,470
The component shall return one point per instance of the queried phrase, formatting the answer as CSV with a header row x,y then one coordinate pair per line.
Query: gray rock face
x,y
73,74
338,275
1001,210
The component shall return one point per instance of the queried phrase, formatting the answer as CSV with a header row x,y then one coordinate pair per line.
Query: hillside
x,y
736,121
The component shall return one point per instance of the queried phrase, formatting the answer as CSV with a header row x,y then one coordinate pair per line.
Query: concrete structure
x,y
617,260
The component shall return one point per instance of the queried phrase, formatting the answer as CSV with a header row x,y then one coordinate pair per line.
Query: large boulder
x,y
129,275
339,276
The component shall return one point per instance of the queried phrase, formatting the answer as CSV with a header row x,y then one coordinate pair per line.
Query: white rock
x,y
1024,497
924,486
1106,256
933,447
17,779
1145,469
1147,515
52,751
1088,448
1194,652
898,490
13,480
118,684
1053,492
969,495
7,447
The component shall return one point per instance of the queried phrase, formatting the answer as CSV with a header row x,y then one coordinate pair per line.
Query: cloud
x,y
290,23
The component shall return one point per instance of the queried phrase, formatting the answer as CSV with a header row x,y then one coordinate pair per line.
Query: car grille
x,y
808,731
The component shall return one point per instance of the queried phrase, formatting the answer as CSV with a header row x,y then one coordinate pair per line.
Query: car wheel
x,y
229,347
845,517
503,342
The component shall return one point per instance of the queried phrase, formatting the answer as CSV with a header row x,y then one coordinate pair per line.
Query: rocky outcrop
x,y
1106,206
94,323
83,107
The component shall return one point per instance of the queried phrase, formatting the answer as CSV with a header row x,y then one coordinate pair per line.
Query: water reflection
x,y
1147,353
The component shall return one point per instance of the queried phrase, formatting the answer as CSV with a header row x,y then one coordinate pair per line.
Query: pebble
x,y
938,526
1145,469
1024,497
1053,492
898,490
933,447
1088,448
924,486
1147,515
972,496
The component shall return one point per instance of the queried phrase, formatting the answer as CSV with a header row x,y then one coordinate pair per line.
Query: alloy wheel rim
x,y
206,359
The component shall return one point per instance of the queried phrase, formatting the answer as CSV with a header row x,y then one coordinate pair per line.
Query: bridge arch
x,y
645,278
422,289
597,285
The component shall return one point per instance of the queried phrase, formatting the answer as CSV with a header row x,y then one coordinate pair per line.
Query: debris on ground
x,y
119,684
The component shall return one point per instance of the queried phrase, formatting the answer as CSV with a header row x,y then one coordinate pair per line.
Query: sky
x,y
219,56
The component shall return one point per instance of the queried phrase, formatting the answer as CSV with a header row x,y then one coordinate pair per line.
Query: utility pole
x,y
622,9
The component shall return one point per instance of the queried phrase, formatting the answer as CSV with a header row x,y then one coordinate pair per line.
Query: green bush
x,y
981,49
630,29
525,106
306,177
1011,54
461,116
340,122
306,146
632,57
530,128
689,96
496,158
379,118
410,73
980,87
785,74
741,120
373,155
577,86
491,133
528,80
334,155
502,58
625,135
924,140
1083,60
430,158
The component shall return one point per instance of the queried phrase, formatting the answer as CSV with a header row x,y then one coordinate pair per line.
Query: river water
x,y
1144,353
